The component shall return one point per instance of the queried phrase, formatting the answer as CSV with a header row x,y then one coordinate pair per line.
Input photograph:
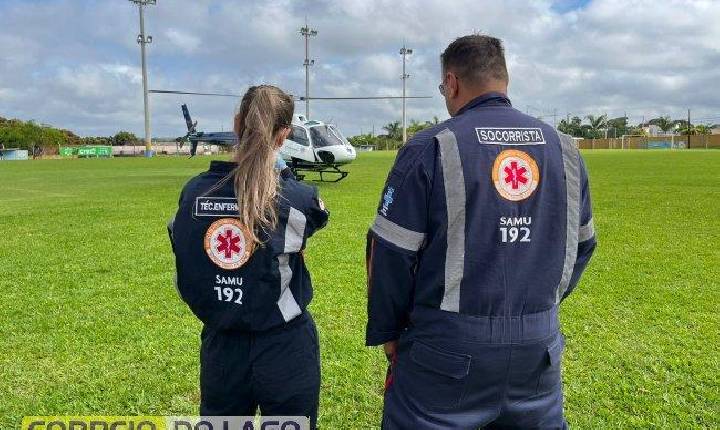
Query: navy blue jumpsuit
x,y
259,343
484,227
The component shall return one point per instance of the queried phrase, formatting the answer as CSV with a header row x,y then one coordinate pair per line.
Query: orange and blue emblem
x,y
228,243
515,175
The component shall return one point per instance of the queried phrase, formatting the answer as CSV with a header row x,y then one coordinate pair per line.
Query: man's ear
x,y
452,85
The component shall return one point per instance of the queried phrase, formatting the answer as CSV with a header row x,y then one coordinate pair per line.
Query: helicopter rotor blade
x,y
300,98
192,93
365,98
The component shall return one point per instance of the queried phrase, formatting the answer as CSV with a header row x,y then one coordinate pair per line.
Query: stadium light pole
x,y
307,32
404,51
143,40
688,130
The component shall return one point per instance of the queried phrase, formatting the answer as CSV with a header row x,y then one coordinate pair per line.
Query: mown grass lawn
x,y
90,322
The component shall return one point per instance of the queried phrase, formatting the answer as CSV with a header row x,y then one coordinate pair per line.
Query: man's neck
x,y
472,93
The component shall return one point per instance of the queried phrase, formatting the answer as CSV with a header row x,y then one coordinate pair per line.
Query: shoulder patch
x,y
228,243
515,175
510,135
216,207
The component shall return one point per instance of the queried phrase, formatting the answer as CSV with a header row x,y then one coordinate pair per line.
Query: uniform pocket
x,y
433,377
289,364
550,377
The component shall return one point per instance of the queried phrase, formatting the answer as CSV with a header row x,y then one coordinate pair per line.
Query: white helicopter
x,y
313,146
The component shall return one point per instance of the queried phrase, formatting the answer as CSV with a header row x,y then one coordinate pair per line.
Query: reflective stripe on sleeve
x,y
571,165
294,231
454,183
397,235
286,303
587,231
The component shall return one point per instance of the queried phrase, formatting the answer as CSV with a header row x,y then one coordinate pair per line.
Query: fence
x,y
701,141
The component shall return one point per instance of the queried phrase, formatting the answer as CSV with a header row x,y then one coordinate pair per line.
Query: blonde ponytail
x,y
265,110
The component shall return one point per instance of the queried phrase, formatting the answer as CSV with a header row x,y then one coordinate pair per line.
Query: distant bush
x,y
379,142
393,138
125,138
15,133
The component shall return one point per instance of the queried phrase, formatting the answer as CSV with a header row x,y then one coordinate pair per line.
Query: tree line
x,y
589,127
600,126
392,139
15,133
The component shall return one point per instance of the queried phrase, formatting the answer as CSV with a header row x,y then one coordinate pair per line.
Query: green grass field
x,y
90,322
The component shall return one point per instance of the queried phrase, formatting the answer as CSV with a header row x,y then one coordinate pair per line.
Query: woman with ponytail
x,y
238,238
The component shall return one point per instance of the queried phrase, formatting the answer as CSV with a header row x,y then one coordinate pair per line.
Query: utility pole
x,y
404,52
688,129
143,40
554,118
307,32
606,125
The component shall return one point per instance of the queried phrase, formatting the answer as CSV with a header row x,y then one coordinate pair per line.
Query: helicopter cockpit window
x,y
322,136
299,136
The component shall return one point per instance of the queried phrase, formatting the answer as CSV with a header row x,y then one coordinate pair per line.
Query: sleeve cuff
x,y
374,338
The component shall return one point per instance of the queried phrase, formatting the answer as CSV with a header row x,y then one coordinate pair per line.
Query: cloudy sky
x,y
75,63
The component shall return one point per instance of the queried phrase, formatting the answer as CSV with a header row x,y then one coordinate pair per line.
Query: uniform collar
x,y
487,99
220,166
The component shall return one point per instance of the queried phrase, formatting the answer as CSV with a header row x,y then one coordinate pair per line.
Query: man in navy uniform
x,y
484,227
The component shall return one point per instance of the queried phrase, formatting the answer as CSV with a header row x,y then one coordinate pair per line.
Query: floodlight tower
x,y
143,40
307,32
404,51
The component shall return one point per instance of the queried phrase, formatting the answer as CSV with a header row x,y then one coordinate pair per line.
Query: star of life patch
x,y
228,243
510,135
216,207
515,175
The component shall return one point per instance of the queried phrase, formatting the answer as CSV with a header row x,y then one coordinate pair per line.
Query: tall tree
x,y
596,123
573,127
665,123
394,130
124,138
617,126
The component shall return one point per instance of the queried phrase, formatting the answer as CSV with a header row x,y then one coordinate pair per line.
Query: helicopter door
x,y
297,146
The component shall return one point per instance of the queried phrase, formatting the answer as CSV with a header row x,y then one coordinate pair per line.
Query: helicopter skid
x,y
323,169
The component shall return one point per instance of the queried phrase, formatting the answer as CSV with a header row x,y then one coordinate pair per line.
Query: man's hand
x,y
390,348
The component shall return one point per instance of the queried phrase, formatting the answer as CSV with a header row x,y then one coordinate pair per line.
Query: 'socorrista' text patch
x,y
510,135
228,243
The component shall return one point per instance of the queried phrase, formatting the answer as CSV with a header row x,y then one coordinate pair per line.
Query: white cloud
x,y
75,63
186,42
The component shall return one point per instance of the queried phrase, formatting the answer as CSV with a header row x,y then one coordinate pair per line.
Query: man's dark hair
x,y
476,58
